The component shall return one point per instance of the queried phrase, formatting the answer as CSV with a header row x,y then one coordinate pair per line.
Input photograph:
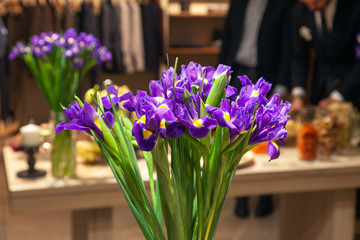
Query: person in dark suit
x,y
256,42
329,28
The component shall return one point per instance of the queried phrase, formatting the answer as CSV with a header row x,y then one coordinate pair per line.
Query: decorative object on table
x,y
344,112
58,63
292,127
176,120
30,142
329,124
307,139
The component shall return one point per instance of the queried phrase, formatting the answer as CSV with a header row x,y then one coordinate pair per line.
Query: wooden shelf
x,y
194,50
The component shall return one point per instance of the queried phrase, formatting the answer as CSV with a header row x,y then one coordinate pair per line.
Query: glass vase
x,y
63,153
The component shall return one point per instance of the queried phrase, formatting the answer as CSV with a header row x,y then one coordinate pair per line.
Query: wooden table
x,y
317,199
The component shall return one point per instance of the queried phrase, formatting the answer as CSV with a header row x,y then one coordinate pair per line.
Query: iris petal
x,y
273,150
144,137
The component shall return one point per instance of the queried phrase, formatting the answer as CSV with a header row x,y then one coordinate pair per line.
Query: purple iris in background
x,y
79,49
19,49
83,119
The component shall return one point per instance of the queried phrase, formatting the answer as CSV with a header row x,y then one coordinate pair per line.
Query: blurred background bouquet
x,y
193,130
59,62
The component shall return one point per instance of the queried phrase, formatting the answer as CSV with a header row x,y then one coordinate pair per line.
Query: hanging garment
x,y
137,44
110,35
126,40
149,14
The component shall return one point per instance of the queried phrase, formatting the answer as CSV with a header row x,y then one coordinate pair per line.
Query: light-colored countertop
x,y
96,187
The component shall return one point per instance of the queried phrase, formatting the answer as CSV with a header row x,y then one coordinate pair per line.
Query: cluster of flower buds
x,y
194,102
79,48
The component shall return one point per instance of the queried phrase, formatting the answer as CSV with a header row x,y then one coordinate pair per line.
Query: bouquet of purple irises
x,y
59,63
199,122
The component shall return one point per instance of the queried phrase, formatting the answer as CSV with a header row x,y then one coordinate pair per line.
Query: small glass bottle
x,y
307,139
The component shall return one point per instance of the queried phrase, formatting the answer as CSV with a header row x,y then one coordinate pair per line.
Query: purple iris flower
x,y
37,52
70,36
103,55
231,93
253,94
78,62
60,42
156,89
37,40
83,119
189,116
146,130
192,71
19,48
175,130
221,69
270,122
228,116
167,79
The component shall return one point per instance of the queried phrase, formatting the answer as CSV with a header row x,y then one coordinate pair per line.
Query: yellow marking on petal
x,y
70,40
163,106
68,53
254,93
142,119
276,146
198,123
358,39
158,99
62,40
242,132
54,36
162,123
272,126
177,81
227,116
97,122
48,39
204,79
147,133
81,44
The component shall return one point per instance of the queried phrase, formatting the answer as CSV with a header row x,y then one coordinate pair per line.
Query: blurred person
x,y
328,28
256,42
